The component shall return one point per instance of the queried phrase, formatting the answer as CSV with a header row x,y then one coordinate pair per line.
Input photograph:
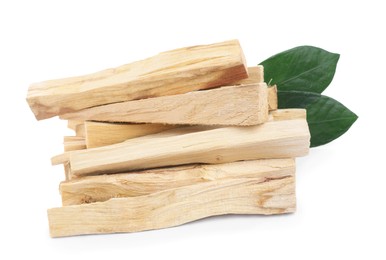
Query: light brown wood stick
x,y
272,98
255,75
243,105
80,130
73,124
102,133
277,115
168,73
91,189
73,143
276,139
259,193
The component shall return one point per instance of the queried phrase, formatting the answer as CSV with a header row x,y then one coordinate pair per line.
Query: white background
x,y
340,186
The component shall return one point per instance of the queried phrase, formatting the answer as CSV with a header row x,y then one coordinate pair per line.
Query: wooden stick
x,y
104,187
102,134
272,98
255,75
243,193
277,115
277,139
73,143
80,130
168,73
244,105
73,124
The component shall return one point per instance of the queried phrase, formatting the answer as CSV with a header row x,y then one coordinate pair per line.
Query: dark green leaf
x,y
327,118
303,68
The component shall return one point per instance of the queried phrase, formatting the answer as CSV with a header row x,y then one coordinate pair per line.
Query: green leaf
x,y
327,118
304,68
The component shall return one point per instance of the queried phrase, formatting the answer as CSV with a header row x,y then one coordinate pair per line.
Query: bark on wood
x,y
253,194
91,189
168,73
276,139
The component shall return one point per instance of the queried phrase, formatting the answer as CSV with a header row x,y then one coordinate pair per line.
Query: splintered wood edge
x,y
220,64
98,188
177,206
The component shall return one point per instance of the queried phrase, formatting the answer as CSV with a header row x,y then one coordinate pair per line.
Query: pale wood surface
x,y
72,124
80,130
276,139
253,194
73,143
243,105
256,75
277,115
287,114
104,187
168,73
102,133
272,98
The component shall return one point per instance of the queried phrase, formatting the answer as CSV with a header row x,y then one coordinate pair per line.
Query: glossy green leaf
x,y
304,68
327,118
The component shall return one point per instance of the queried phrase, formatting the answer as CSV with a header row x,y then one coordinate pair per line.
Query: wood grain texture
x,y
276,139
102,133
252,194
277,115
243,105
255,75
71,124
73,143
91,189
272,98
168,73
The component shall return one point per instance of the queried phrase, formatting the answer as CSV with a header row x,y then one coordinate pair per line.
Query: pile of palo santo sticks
x,y
180,136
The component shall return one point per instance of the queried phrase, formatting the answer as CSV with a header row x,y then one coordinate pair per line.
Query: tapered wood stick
x,y
168,73
260,193
243,105
277,139
104,187
102,133
277,115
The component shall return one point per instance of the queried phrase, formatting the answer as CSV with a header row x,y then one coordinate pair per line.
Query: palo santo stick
x,y
72,124
277,115
80,130
243,105
73,143
102,134
259,193
272,98
168,73
255,75
104,187
276,139
65,157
